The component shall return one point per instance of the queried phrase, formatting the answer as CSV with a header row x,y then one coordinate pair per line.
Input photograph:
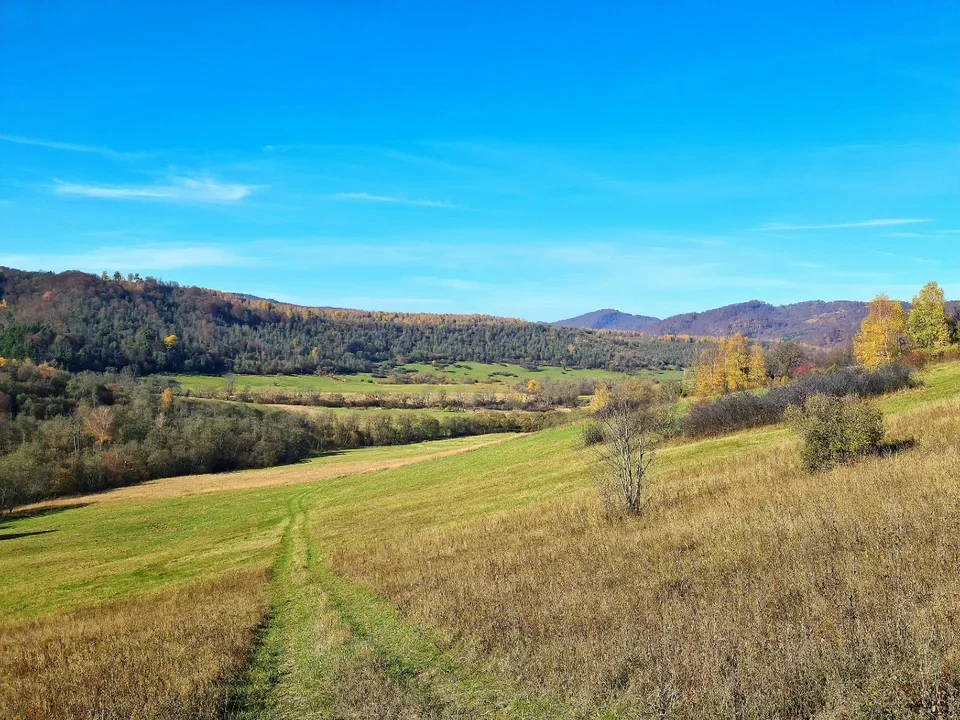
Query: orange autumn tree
x,y
882,335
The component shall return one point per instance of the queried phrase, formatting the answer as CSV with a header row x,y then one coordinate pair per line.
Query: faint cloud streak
x,y
70,147
881,222
180,189
147,257
390,199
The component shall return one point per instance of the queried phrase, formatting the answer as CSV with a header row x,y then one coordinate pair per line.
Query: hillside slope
x,y
814,322
89,322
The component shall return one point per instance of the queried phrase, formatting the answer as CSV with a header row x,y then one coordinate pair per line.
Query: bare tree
x,y
98,423
630,428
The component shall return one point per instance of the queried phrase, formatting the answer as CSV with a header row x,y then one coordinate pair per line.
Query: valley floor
x,y
479,578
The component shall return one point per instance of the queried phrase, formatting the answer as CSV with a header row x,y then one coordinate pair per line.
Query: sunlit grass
x,y
483,377
750,587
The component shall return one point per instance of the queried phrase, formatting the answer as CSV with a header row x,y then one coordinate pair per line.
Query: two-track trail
x,y
332,650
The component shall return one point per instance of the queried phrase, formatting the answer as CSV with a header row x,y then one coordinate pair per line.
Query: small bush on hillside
x,y
742,410
836,430
592,434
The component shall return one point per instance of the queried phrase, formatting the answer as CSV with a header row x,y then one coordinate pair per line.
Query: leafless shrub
x,y
631,425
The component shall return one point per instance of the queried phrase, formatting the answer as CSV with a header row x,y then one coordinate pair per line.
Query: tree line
x,y
67,433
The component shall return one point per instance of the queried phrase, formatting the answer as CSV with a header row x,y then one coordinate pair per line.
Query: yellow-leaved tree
x,y
709,376
601,398
757,367
927,324
736,362
724,367
882,333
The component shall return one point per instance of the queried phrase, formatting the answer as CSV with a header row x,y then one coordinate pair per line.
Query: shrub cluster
x,y
836,430
741,410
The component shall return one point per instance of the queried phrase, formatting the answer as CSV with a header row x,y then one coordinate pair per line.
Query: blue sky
x,y
535,160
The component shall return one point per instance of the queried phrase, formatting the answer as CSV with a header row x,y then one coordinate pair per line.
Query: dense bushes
x,y
738,411
61,434
836,430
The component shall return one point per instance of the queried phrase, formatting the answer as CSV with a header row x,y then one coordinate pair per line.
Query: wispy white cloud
x,y
151,257
881,222
69,147
390,199
178,189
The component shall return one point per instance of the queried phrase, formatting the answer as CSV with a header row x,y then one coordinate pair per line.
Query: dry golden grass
x,y
164,655
749,589
348,463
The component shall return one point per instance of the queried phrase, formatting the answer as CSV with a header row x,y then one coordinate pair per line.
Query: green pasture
x,y
467,377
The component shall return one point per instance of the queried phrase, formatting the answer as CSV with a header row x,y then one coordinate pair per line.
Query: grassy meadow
x,y
478,577
466,377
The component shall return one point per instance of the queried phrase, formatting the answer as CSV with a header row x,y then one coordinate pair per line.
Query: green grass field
x,y
449,586
483,377
359,412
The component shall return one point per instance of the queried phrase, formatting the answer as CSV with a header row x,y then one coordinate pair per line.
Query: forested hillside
x,y
813,322
86,322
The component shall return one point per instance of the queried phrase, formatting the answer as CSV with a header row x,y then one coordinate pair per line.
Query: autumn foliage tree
x,y
757,367
600,399
927,324
730,366
882,333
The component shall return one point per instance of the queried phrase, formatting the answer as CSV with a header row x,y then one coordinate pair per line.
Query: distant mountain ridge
x,y
813,322
608,319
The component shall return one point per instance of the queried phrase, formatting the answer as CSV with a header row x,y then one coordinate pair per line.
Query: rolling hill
x,y
90,322
609,319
